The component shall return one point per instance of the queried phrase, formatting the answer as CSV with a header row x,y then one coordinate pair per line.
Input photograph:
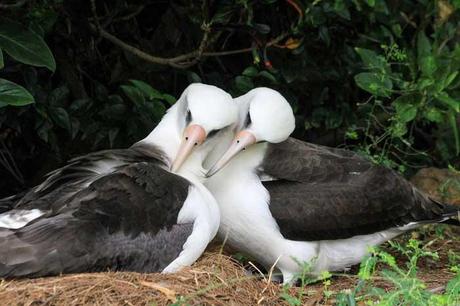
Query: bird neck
x,y
167,136
244,164
243,108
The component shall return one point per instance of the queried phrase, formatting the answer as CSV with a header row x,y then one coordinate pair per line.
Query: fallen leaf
x,y
292,43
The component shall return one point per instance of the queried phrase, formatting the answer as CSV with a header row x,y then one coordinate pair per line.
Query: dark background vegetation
x,y
380,77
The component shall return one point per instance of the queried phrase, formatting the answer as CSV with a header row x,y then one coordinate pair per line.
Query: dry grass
x,y
216,279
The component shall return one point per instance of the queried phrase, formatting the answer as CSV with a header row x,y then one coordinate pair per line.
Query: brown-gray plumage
x,y
322,193
122,220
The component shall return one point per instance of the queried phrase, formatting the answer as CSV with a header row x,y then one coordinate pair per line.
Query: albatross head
x,y
202,111
264,116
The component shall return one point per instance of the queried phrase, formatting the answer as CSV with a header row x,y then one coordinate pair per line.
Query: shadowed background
x,y
379,77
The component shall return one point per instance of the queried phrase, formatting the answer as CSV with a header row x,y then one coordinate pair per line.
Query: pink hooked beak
x,y
194,135
241,141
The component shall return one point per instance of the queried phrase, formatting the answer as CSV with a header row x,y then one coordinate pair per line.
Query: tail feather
x,y
451,214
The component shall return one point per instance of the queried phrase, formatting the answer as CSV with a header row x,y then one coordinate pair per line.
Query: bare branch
x,y
181,61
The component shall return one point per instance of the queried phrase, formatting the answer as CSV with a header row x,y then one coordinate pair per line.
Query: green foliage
x,y
305,278
407,288
423,89
25,46
379,77
13,94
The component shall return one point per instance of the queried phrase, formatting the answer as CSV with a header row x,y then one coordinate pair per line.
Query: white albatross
x,y
123,209
285,202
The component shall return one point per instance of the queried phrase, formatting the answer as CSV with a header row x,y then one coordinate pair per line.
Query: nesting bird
x,y
123,209
286,202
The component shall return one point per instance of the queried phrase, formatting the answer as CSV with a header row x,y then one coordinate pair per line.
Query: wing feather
x,y
325,193
126,220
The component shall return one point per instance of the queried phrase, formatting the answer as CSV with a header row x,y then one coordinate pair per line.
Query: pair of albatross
x,y
281,200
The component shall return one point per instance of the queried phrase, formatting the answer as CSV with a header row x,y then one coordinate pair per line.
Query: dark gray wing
x,y
372,201
64,182
299,161
126,220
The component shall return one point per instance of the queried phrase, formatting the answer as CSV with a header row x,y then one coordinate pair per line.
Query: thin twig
x,y
131,15
438,289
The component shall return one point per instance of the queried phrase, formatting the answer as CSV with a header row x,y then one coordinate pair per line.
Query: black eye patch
x,y
248,120
212,133
188,118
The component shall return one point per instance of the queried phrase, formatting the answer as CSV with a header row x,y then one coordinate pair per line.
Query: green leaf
x,y
134,94
80,104
333,120
148,91
388,259
434,115
376,84
14,94
61,117
448,80
25,46
405,110
447,100
423,45
168,98
193,77
371,59
398,129
251,71
371,3
424,83
341,9
268,76
453,124
243,84
2,64
367,267
428,65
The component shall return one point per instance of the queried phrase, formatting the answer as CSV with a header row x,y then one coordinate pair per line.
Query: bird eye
x,y
188,119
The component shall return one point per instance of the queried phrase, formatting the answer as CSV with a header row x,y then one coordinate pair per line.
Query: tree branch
x,y
183,61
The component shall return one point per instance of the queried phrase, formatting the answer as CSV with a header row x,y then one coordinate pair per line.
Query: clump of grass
x,y
383,279
407,287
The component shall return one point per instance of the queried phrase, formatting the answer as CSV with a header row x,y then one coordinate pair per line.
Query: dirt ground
x,y
216,279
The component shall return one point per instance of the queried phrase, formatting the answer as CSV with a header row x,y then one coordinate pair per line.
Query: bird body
x,y
287,203
122,209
